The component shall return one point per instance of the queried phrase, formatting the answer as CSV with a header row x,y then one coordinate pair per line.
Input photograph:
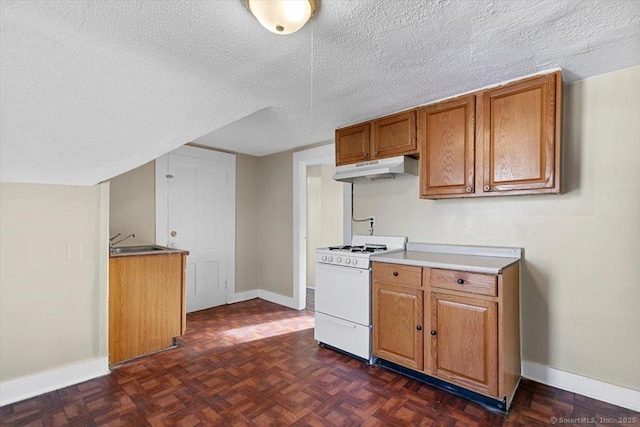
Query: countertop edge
x,y
165,251
390,259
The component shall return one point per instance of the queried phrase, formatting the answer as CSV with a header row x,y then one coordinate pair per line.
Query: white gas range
x,y
343,292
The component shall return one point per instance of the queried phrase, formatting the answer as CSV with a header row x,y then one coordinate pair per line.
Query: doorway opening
x,y
303,256
324,218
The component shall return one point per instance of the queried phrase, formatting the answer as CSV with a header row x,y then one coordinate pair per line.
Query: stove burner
x,y
376,247
360,249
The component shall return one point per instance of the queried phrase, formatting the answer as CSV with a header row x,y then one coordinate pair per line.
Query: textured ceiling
x,y
91,89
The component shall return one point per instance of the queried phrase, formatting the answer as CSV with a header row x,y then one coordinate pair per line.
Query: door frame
x,y
324,154
162,205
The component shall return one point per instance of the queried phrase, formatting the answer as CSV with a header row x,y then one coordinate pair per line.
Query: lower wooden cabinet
x,y
463,342
467,323
146,304
400,309
398,303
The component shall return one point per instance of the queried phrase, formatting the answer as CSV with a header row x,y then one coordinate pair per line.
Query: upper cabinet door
x,y
395,135
447,137
520,133
352,144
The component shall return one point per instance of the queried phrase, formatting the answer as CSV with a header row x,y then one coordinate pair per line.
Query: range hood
x,y
376,170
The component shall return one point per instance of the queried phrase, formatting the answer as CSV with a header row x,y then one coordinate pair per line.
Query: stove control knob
x,y
338,259
348,261
330,259
324,257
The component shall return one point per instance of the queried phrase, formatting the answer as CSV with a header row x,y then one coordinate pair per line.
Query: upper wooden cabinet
x,y
495,142
499,141
394,135
385,137
520,136
447,138
353,144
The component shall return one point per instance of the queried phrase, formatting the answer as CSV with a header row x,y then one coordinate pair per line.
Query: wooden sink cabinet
x,y
146,303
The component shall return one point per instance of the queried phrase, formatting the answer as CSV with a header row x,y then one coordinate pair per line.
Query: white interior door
x,y
198,220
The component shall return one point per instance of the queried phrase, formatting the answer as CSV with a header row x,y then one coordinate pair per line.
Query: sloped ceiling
x,y
91,89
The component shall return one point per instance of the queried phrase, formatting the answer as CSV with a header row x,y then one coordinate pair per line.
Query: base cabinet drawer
x,y
473,283
397,274
348,336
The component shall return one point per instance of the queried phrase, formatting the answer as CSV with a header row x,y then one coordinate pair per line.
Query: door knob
x,y
174,234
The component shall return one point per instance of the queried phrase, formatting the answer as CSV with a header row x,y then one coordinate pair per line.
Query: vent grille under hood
x,y
376,170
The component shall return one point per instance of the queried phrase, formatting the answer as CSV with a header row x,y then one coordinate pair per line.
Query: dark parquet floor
x,y
256,364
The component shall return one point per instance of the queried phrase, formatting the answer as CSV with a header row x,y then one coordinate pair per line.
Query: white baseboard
x,y
37,384
243,296
610,393
265,295
277,298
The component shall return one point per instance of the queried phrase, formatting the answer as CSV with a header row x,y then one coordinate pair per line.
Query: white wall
x,y
314,220
332,208
53,277
325,199
580,286
275,235
247,222
133,205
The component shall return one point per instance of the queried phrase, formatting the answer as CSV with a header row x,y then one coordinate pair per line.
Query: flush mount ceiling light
x,y
282,16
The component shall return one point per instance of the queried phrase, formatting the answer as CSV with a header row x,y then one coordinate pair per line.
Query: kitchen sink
x,y
134,249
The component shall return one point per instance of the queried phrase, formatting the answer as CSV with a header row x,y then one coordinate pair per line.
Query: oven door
x,y
344,292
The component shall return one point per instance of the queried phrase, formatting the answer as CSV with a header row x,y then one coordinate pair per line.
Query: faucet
x,y
112,243
111,240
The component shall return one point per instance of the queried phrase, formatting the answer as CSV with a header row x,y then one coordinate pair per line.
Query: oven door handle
x,y
344,323
346,269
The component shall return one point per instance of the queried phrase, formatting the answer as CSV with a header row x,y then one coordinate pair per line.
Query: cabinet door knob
x,y
433,332
377,152
419,327
460,282
468,189
366,154
395,273
174,234
487,188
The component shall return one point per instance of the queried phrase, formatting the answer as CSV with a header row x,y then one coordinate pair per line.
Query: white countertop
x,y
444,256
